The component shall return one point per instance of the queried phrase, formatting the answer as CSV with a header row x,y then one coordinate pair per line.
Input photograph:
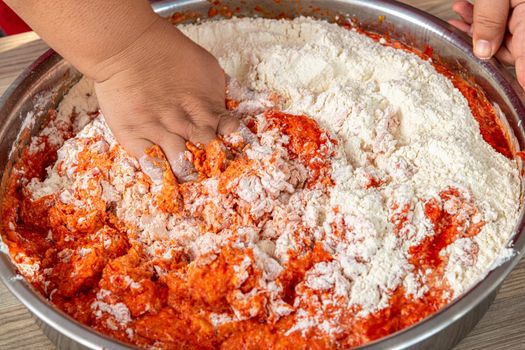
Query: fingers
x,y
520,70
174,148
170,128
200,133
228,123
465,10
134,145
200,124
222,123
518,13
200,129
489,25
464,27
505,55
137,137
518,51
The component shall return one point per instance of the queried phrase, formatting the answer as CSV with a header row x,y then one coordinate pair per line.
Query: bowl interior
x,y
46,81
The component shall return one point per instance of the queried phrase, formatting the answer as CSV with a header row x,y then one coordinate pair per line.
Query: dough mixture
x,y
359,197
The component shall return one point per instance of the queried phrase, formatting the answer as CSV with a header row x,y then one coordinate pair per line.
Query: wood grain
x,y
502,328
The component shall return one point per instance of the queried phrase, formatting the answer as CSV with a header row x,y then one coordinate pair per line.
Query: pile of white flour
x,y
396,116
397,123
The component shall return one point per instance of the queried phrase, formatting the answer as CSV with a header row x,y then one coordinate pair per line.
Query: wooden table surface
x,y
502,328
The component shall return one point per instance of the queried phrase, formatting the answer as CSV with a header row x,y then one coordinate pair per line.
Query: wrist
x,y
87,32
144,50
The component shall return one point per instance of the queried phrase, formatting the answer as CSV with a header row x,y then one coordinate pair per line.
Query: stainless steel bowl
x,y
413,27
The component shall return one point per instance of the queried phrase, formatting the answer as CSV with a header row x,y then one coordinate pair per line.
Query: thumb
x,y
489,26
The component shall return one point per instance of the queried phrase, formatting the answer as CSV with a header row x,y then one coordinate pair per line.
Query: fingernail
x,y
149,168
183,168
482,49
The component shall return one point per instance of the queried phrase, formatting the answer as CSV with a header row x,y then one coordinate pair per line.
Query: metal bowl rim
x,y
402,339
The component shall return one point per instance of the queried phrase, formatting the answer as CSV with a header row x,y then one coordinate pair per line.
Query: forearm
x,y
87,32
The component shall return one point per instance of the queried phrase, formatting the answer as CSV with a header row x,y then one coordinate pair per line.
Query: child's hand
x,y
163,89
154,84
497,28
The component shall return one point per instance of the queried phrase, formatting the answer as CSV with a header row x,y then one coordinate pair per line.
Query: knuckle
x,y
172,146
174,123
190,103
127,129
489,22
204,131
135,129
205,119
201,109
190,131
229,120
520,25
196,132
516,3
159,138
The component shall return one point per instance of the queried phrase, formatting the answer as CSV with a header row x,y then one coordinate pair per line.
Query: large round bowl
x,y
43,84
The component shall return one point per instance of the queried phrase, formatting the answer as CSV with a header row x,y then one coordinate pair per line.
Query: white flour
x,y
394,113
397,122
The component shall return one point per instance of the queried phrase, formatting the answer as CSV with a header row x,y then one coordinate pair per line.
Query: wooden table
x,y
502,328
